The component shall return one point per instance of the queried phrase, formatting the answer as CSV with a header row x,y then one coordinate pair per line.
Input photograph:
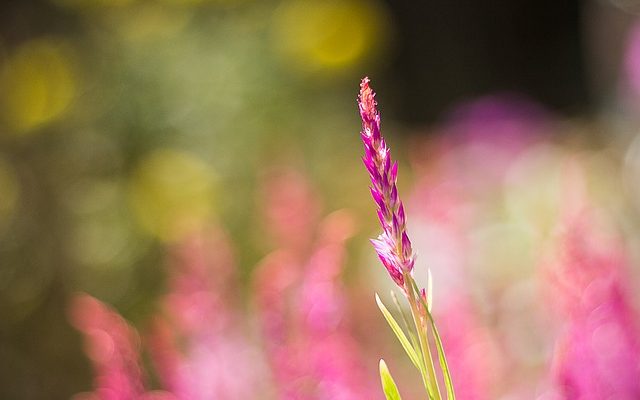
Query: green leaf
x,y
441,356
429,289
443,361
411,352
405,320
388,385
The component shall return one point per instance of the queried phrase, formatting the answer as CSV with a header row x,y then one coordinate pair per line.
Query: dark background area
x,y
450,50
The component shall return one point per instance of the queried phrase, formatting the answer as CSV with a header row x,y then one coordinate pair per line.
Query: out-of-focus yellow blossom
x,y
317,35
37,85
8,191
171,193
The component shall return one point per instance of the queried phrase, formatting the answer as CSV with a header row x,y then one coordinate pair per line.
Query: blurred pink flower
x,y
332,351
598,354
479,141
113,348
290,208
199,346
632,60
441,225
302,309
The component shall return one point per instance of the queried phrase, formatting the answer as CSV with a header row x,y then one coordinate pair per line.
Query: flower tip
x,y
367,99
366,92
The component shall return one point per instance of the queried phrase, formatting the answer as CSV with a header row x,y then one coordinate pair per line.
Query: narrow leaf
x,y
405,320
429,290
441,356
388,385
411,352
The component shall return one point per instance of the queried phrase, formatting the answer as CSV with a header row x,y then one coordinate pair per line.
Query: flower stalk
x,y
395,251
421,328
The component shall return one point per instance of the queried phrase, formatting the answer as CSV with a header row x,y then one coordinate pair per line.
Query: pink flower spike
x,y
112,346
393,246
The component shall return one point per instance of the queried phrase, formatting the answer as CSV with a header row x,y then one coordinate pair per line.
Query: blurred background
x,y
184,213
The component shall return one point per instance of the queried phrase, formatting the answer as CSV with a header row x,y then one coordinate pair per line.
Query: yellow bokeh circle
x,y
318,35
37,85
171,193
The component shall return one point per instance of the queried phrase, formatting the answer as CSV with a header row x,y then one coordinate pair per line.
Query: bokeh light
x,y
172,193
316,36
38,84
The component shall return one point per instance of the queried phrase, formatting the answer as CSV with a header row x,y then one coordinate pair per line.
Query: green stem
x,y
423,369
441,356
432,386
